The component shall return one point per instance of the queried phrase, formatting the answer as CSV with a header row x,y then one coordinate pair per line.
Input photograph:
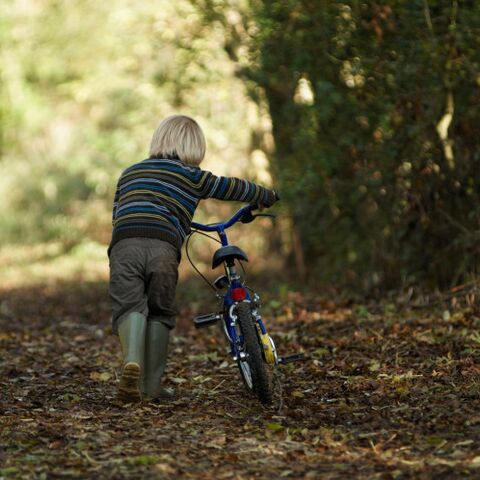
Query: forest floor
x,y
386,393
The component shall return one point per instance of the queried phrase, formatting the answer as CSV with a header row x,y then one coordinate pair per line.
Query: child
x,y
152,212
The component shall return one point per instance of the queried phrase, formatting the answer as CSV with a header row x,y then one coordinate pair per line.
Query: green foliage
x,y
83,85
372,108
375,126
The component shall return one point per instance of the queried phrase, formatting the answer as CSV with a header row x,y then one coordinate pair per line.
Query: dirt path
x,y
384,395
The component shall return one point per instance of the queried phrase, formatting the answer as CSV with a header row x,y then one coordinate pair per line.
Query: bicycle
x,y
250,345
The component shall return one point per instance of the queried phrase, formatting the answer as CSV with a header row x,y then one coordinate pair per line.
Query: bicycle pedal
x,y
291,358
206,320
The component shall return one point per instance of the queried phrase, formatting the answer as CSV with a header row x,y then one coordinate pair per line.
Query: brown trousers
x,y
143,278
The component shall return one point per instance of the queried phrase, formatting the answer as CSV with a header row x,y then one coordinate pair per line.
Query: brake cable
x,y
192,231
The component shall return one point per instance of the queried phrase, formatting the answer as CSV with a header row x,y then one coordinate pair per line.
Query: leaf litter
x,y
384,394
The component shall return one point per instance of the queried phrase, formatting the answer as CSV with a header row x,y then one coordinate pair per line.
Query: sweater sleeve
x,y
235,189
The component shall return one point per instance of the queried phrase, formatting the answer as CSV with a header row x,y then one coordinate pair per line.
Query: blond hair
x,y
179,136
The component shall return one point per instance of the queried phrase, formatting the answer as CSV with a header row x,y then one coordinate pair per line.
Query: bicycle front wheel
x,y
252,367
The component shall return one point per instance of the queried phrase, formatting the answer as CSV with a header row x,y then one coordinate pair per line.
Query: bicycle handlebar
x,y
217,227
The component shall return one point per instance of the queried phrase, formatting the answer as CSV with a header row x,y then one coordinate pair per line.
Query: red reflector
x,y
238,294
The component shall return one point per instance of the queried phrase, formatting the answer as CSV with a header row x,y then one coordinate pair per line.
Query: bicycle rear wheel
x,y
253,369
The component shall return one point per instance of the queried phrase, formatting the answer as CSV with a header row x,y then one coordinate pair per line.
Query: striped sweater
x,y
157,198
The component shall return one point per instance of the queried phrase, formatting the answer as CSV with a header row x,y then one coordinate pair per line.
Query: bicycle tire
x,y
261,384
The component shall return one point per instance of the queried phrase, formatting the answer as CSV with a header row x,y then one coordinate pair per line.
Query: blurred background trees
x,y
367,113
84,85
374,108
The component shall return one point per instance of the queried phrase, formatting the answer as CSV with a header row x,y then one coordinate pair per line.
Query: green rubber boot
x,y
156,351
131,332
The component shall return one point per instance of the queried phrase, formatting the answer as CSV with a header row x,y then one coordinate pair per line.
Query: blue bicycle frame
x,y
236,291
221,227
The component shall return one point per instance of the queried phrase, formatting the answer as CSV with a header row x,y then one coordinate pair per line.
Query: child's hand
x,y
276,198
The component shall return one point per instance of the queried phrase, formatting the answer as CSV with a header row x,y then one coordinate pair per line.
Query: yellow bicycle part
x,y
268,348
